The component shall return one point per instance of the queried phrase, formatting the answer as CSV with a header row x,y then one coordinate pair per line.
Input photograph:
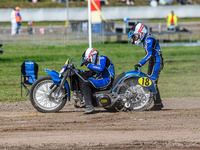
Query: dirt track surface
x,y
177,126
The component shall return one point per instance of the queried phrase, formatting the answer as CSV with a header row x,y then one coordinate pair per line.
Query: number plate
x,y
144,81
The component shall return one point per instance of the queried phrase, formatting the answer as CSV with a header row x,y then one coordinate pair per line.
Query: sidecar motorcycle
x,y
131,91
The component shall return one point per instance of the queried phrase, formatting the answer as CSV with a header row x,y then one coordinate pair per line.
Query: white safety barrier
x,y
110,13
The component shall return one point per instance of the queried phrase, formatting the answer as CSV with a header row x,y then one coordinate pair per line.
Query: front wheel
x,y
43,95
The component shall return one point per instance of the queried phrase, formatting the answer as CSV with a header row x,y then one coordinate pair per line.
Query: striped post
x,y
96,16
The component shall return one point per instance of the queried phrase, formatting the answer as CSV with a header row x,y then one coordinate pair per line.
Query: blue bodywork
x,y
130,74
137,75
56,79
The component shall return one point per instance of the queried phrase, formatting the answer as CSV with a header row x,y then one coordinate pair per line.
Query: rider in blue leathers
x,y
151,46
103,67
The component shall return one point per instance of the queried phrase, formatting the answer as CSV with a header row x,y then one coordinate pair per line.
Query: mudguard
x,y
143,79
56,79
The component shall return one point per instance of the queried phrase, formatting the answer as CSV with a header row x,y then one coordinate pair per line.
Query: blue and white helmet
x,y
90,55
137,33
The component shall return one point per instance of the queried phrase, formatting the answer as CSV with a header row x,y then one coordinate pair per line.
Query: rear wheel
x,y
42,97
136,97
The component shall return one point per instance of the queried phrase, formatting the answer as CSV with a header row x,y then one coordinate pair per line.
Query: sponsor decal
x,y
96,67
148,41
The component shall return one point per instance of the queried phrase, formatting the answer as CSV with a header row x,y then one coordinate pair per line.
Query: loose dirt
x,y
176,127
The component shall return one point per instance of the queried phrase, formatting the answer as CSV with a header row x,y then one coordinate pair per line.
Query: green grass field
x,y
180,77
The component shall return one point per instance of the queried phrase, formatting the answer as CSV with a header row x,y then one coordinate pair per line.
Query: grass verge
x,y
180,77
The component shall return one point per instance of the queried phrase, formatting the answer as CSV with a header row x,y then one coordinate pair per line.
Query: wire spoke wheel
x,y
137,97
42,97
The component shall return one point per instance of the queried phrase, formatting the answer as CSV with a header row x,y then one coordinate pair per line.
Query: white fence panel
x,y
110,13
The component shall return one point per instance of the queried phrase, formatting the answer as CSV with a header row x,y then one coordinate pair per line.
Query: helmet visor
x,y
83,61
136,37
130,34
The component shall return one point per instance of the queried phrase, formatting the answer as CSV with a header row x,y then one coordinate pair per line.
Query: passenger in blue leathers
x,y
103,67
139,34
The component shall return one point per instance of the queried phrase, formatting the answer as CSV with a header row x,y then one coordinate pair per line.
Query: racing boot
x,y
89,110
156,107
157,101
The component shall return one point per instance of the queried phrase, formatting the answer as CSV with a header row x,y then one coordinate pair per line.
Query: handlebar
x,y
77,73
75,62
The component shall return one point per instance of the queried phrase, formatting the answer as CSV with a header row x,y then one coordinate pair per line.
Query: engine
x,y
103,100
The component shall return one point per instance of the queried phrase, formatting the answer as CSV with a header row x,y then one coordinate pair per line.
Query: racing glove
x,y
136,66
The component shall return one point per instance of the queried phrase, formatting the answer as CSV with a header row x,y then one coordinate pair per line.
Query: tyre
x,y
137,97
115,108
41,98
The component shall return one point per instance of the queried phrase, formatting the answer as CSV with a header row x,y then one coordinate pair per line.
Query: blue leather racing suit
x,y
153,55
105,74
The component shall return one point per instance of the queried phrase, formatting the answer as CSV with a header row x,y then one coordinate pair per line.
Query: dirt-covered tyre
x,y
43,99
138,98
116,107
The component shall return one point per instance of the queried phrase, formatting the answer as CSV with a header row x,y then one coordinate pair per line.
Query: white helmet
x,y
137,33
90,55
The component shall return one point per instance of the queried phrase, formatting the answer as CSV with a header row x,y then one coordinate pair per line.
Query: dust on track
x,y
177,126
